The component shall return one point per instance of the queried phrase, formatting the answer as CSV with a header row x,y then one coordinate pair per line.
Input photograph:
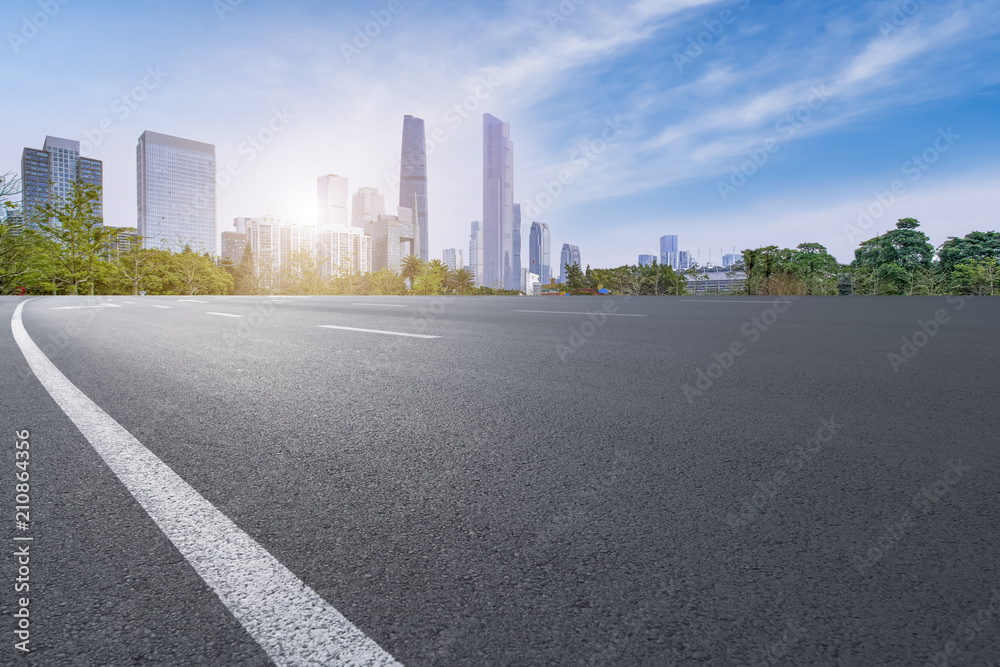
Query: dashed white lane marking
x,y
194,301
155,306
381,305
721,301
210,312
566,312
130,302
378,331
99,305
290,621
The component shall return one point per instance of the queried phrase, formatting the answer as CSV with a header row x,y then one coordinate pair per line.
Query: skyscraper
x,y
668,251
498,205
452,257
570,255
539,242
413,180
176,192
366,206
647,260
516,243
331,192
476,253
392,239
49,173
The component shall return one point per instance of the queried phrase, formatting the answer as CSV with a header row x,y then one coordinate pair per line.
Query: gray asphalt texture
x,y
513,493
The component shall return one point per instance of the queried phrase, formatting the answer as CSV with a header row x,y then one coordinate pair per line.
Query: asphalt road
x,y
694,480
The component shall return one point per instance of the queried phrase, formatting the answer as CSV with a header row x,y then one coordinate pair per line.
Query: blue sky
x,y
661,116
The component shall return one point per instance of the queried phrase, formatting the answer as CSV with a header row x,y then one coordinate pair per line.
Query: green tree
x,y
895,261
78,233
461,281
198,274
411,267
575,278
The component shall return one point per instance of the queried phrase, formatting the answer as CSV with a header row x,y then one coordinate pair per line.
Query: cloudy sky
x,y
729,123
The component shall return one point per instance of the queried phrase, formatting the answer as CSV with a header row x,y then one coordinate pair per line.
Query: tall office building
x,y
49,173
668,251
175,192
683,260
570,255
273,242
452,257
516,244
331,192
498,205
392,239
366,206
343,250
476,253
647,260
729,259
539,242
413,180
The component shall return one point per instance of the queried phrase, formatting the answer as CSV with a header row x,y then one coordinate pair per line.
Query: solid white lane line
x,y
289,620
381,305
100,305
194,301
565,312
155,306
210,312
378,331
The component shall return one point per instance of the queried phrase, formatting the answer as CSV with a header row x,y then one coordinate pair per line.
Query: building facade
x,y
668,251
175,181
343,250
498,205
366,206
570,255
332,198
413,181
48,174
476,253
452,257
539,242
392,239
647,260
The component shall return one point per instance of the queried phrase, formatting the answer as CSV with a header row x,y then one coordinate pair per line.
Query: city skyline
x,y
854,108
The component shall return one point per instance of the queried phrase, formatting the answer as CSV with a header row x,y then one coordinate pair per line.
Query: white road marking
x,y
290,621
566,312
155,306
130,302
720,301
209,312
100,305
194,301
381,305
378,331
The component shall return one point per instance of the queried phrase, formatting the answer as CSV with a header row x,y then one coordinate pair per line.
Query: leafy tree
x,y
79,235
411,267
976,276
198,274
889,263
575,278
385,281
974,246
460,281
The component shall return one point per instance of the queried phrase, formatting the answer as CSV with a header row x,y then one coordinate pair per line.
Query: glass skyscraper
x,y
517,245
49,173
570,255
413,180
539,242
668,251
175,192
498,205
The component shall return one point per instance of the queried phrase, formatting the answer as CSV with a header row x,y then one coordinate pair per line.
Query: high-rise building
x,y
668,250
729,259
343,250
413,181
234,241
516,244
498,205
539,242
452,257
392,239
476,253
175,192
331,192
647,260
570,255
48,174
683,260
273,242
366,206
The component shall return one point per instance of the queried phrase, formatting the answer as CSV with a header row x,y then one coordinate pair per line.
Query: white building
x,y
476,253
331,192
274,242
366,206
453,258
342,249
